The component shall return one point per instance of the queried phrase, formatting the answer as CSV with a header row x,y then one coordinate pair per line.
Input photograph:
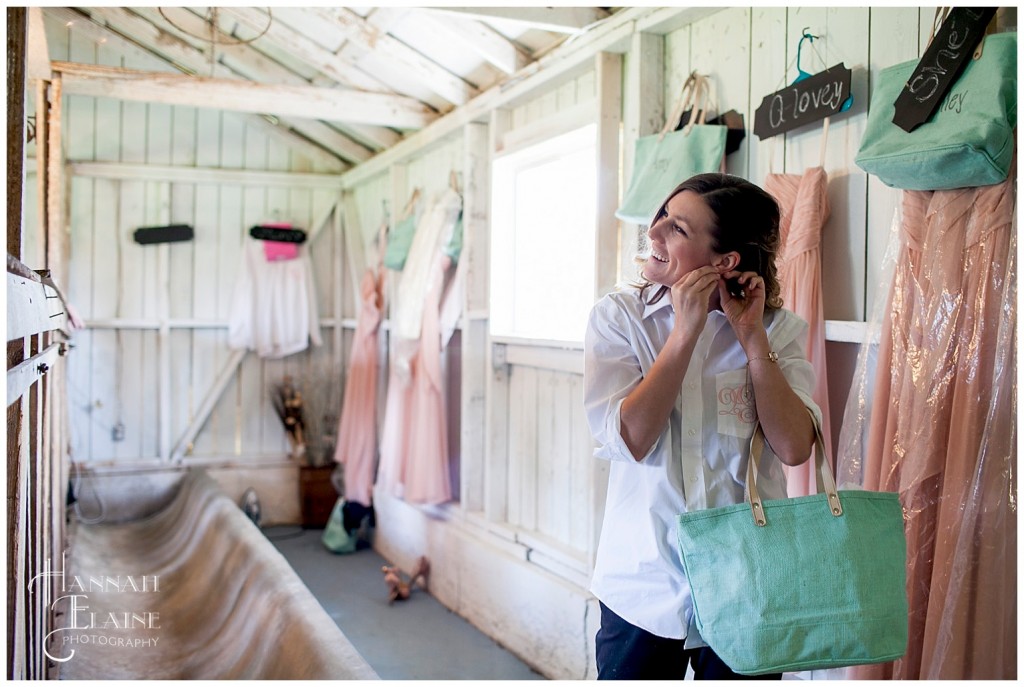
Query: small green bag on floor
x,y
797,584
335,537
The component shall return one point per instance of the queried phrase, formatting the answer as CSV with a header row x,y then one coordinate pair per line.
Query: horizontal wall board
x,y
202,175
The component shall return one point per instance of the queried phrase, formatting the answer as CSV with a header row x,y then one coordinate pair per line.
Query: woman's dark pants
x,y
625,652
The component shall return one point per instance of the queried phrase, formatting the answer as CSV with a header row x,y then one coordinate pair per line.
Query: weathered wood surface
x,y
205,596
243,96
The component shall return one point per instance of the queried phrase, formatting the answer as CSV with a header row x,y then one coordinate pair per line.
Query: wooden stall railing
x,y
37,467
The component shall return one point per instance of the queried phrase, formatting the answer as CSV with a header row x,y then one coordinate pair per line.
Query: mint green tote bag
x,y
967,142
805,583
663,161
399,241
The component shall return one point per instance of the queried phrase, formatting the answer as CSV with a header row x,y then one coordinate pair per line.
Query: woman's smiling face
x,y
680,239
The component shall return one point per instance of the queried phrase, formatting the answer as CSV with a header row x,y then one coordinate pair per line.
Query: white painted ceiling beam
x,y
185,55
482,39
250,63
302,48
244,96
98,33
387,50
613,35
555,19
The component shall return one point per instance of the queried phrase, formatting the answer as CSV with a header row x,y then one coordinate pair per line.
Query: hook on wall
x,y
807,36
801,74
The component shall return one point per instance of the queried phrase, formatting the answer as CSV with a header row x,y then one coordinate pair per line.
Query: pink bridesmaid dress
x,y
357,428
803,202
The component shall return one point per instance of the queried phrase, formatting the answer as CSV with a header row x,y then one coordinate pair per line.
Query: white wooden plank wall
x,y
549,490
114,375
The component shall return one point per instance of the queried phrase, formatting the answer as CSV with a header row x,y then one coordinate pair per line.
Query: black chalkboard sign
x,y
816,97
171,233
940,67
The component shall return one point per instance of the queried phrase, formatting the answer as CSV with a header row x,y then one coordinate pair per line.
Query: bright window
x,y
543,219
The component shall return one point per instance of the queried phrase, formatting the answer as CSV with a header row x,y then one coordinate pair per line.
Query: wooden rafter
x,y
556,19
247,62
393,59
99,33
183,54
302,48
244,96
482,39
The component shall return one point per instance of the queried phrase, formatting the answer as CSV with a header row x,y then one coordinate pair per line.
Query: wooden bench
x,y
194,591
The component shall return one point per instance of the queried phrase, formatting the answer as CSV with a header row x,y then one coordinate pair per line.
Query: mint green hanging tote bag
x,y
398,243
663,161
967,142
805,583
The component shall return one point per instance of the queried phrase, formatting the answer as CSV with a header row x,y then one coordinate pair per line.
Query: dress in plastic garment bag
x,y
803,202
939,428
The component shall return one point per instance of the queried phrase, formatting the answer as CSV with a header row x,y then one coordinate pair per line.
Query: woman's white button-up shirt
x,y
698,462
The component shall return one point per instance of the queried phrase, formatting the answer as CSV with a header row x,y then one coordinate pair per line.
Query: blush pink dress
x,y
357,428
414,461
803,202
941,431
425,474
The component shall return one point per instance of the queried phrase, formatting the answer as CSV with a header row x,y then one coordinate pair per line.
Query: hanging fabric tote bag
x,y
663,161
797,584
968,142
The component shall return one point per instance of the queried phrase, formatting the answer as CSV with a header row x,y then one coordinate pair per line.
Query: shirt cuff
x,y
614,447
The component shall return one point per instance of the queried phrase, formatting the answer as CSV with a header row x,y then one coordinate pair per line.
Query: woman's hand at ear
x,y
746,314
691,296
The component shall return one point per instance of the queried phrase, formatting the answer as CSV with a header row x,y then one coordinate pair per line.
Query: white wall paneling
x,y
643,114
157,314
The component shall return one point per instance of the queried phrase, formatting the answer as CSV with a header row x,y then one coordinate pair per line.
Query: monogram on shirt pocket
x,y
735,404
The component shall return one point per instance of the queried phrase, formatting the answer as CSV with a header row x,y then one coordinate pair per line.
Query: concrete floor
x,y
415,639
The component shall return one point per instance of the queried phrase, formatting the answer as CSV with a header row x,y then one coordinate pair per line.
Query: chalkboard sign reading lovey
x,y
803,102
943,62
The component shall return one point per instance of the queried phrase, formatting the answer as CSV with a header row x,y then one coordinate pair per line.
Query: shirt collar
x,y
664,302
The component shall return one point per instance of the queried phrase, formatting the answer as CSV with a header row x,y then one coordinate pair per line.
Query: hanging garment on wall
x,y
414,391
803,202
273,309
433,231
941,431
393,433
357,428
425,475
414,447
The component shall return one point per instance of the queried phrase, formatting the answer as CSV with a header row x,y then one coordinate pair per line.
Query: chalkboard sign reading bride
x,y
805,101
942,64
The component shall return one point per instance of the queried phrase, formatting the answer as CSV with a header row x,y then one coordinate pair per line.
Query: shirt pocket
x,y
734,404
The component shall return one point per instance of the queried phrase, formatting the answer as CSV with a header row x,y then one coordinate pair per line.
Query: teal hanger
x,y
801,74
